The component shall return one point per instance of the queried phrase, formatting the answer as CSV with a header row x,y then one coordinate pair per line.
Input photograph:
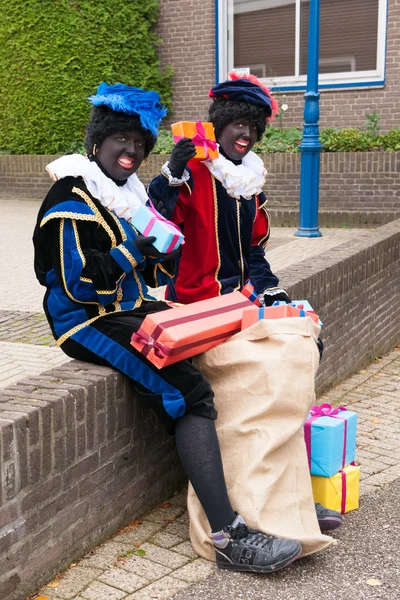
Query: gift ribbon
x,y
162,351
157,217
200,139
324,410
344,492
150,342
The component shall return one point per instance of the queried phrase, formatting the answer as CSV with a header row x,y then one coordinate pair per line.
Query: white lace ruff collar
x,y
243,180
121,200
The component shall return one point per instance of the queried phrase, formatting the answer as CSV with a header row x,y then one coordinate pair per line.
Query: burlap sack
x,y
263,379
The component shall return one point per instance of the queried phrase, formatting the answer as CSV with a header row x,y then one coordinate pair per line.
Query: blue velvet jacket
x,y
86,258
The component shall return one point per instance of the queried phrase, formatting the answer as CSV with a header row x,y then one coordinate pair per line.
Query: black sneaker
x,y
328,519
243,549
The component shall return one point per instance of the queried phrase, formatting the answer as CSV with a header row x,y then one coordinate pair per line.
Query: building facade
x,y
359,54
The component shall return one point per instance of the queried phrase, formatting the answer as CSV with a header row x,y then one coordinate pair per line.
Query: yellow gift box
x,y
339,492
202,135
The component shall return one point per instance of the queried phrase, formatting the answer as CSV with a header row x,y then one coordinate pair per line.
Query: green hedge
x,y
54,53
332,140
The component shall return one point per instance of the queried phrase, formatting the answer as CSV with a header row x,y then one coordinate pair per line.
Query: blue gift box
x,y
149,222
330,439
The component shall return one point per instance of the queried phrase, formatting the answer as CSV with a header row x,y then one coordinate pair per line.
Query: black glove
x,y
273,294
181,153
145,246
160,208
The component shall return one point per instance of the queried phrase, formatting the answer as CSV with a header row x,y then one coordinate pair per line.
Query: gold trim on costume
x,y
68,334
214,187
78,243
70,296
100,218
140,289
164,270
264,240
128,255
240,243
106,291
121,229
155,276
102,310
64,214
86,279
189,188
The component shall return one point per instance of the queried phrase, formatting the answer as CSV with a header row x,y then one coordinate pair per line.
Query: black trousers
x,y
172,391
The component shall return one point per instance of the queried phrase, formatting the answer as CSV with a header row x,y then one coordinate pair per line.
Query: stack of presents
x,y
167,337
330,436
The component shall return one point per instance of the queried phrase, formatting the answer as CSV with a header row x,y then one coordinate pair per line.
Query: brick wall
x,y
79,457
188,32
354,288
367,183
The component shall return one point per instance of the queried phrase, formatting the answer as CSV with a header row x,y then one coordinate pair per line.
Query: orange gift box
x,y
252,314
172,335
202,135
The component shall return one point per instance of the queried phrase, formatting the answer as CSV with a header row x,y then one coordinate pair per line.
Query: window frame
x,y
346,79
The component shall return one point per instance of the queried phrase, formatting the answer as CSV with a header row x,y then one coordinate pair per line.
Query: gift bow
x,y
157,217
200,139
148,342
324,410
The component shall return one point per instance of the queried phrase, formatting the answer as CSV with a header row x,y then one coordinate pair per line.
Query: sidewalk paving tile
x,y
163,556
165,540
162,589
141,534
101,591
73,582
144,568
128,582
195,571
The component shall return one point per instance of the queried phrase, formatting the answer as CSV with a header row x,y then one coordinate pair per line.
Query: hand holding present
x,y
145,245
181,153
201,135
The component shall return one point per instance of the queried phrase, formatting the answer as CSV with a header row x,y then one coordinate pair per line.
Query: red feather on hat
x,y
233,75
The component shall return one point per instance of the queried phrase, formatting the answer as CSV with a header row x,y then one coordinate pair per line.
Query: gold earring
x,y
144,163
95,149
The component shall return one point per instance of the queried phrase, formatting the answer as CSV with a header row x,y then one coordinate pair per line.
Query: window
x,y
270,38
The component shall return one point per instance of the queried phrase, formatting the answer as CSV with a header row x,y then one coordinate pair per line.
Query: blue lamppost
x,y
310,146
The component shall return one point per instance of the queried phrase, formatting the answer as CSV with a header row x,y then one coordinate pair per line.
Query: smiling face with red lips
x,y
122,153
238,138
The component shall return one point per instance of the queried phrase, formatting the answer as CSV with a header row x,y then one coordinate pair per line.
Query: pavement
x,y
152,557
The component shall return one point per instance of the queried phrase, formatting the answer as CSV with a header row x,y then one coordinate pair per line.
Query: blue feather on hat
x,y
132,101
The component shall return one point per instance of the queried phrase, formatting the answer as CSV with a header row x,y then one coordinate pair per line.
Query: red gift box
x,y
170,336
250,293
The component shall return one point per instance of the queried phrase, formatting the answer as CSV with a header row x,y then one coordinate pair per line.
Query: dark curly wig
x,y
223,111
104,122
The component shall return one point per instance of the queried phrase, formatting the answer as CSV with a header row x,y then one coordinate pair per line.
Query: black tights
x,y
199,452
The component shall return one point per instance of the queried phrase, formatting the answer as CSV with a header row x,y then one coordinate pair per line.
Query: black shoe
x,y
248,550
328,519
